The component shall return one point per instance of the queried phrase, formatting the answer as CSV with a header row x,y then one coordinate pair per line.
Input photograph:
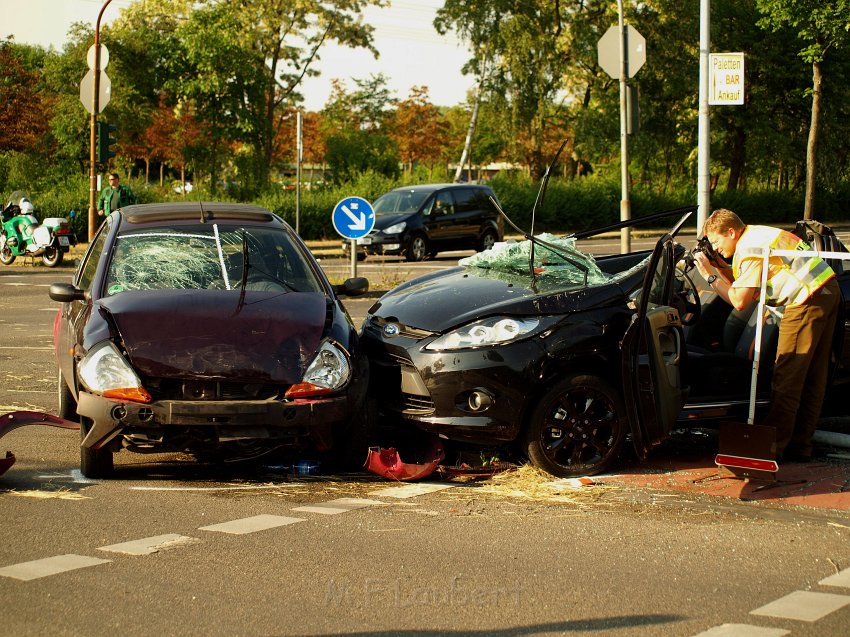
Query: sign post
x,y
353,218
622,52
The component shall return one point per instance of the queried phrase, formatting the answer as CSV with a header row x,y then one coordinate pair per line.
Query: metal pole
x,y
704,142
353,258
625,204
93,127
299,150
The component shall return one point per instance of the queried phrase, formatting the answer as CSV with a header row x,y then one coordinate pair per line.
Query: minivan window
x,y
465,199
398,201
443,203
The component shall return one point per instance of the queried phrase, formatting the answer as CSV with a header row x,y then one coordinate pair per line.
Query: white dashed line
x,y
805,606
839,579
743,630
251,525
340,505
411,490
27,571
148,545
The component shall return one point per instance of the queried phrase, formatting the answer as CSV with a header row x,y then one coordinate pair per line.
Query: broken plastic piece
x,y
7,462
388,463
16,419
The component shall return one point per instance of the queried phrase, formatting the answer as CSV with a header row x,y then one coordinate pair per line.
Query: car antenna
x,y
541,195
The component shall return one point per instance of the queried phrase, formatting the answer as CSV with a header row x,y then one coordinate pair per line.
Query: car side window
x,y
465,200
89,268
443,203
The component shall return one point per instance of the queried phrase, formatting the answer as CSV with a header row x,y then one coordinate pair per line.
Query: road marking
x,y
411,490
27,571
74,475
148,545
251,525
805,606
839,579
340,505
245,488
743,630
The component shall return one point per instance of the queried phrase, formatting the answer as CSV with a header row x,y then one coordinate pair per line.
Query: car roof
x,y
433,187
194,211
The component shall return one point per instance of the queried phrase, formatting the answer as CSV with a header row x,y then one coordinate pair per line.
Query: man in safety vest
x,y
806,286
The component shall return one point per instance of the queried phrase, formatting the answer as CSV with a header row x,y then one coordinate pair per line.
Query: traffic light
x,y
105,140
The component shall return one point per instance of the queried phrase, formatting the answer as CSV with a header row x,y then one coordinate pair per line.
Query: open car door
x,y
653,350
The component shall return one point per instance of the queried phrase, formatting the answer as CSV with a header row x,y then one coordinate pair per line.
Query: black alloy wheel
x,y
418,249
578,427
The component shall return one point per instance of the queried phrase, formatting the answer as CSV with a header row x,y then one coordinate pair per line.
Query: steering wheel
x,y
686,298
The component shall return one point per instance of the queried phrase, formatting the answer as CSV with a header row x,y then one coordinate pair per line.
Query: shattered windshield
x,y
399,201
208,256
550,266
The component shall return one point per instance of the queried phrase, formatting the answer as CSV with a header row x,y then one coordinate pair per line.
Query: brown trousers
x,y
802,368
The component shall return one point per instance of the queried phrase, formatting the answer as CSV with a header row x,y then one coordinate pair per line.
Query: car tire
x,y
6,256
52,257
67,402
417,249
487,240
577,428
94,463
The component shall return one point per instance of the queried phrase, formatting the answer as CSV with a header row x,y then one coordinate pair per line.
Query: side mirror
x,y
65,292
352,287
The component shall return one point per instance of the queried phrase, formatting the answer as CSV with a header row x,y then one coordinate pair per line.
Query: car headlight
x,y
328,372
105,371
396,228
492,331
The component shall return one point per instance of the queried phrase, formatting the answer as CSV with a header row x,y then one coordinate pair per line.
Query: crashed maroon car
x,y
205,328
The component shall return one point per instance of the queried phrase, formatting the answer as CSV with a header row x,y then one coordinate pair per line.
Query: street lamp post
x,y
93,127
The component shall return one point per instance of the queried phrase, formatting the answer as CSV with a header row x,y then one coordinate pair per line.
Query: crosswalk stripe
x,y
411,490
27,571
251,524
804,606
148,545
839,579
340,505
743,630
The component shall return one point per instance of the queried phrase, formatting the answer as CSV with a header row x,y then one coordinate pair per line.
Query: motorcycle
x,y
23,236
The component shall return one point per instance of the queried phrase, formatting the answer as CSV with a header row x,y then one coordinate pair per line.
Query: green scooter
x,y
23,236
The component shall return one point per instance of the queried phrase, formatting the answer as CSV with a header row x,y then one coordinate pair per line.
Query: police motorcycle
x,y
23,236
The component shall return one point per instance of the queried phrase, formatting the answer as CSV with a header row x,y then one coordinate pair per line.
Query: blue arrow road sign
x,y
353,218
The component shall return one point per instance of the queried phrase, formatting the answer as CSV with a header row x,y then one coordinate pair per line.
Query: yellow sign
x,y
726,78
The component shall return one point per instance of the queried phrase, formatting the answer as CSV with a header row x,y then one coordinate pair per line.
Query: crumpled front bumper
x,y
227,420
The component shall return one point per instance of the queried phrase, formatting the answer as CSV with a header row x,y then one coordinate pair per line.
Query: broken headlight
x,y
328,372
491,331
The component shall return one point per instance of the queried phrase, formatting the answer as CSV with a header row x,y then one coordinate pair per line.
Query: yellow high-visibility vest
x,y
790,280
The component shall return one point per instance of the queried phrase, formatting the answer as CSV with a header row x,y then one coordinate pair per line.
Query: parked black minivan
x,y
420,221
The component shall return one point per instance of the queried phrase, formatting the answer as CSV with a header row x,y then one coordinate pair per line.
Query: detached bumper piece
x,y
16,419
387,463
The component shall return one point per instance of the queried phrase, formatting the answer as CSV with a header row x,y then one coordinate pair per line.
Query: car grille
x,y
414,403
175,389
377,323
387,369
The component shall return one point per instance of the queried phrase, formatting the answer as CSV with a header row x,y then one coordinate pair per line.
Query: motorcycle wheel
x,y
6,256
52,257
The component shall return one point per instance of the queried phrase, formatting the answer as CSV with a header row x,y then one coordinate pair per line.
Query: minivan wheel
x,y
578,427
417,249
487,240
94,463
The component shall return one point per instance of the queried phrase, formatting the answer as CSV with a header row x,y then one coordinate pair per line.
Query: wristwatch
x,y
710,280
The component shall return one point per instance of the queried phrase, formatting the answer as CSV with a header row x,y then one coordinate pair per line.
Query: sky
x,y
411,52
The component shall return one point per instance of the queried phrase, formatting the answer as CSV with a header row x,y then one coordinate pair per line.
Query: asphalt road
x,y
171,547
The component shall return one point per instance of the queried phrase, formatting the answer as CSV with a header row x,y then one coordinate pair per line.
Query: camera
x,y
702,245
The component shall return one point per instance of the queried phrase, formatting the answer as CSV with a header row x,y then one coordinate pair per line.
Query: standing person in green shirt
x,y
114,196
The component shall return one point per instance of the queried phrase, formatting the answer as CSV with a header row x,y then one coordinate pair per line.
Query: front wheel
x,y
418,248
578,428
6,256
94,463
67,402
52,257
487,240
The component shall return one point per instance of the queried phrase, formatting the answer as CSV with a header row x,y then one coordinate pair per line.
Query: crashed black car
x,y
564,355
205,328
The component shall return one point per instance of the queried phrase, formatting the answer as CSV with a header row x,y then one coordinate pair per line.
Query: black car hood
x,y
440,301
217,334
385,221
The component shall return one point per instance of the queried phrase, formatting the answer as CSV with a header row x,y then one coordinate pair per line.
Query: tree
x,y
822,25
419,130
25,108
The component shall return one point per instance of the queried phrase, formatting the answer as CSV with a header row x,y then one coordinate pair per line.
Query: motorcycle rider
x,y
114,196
